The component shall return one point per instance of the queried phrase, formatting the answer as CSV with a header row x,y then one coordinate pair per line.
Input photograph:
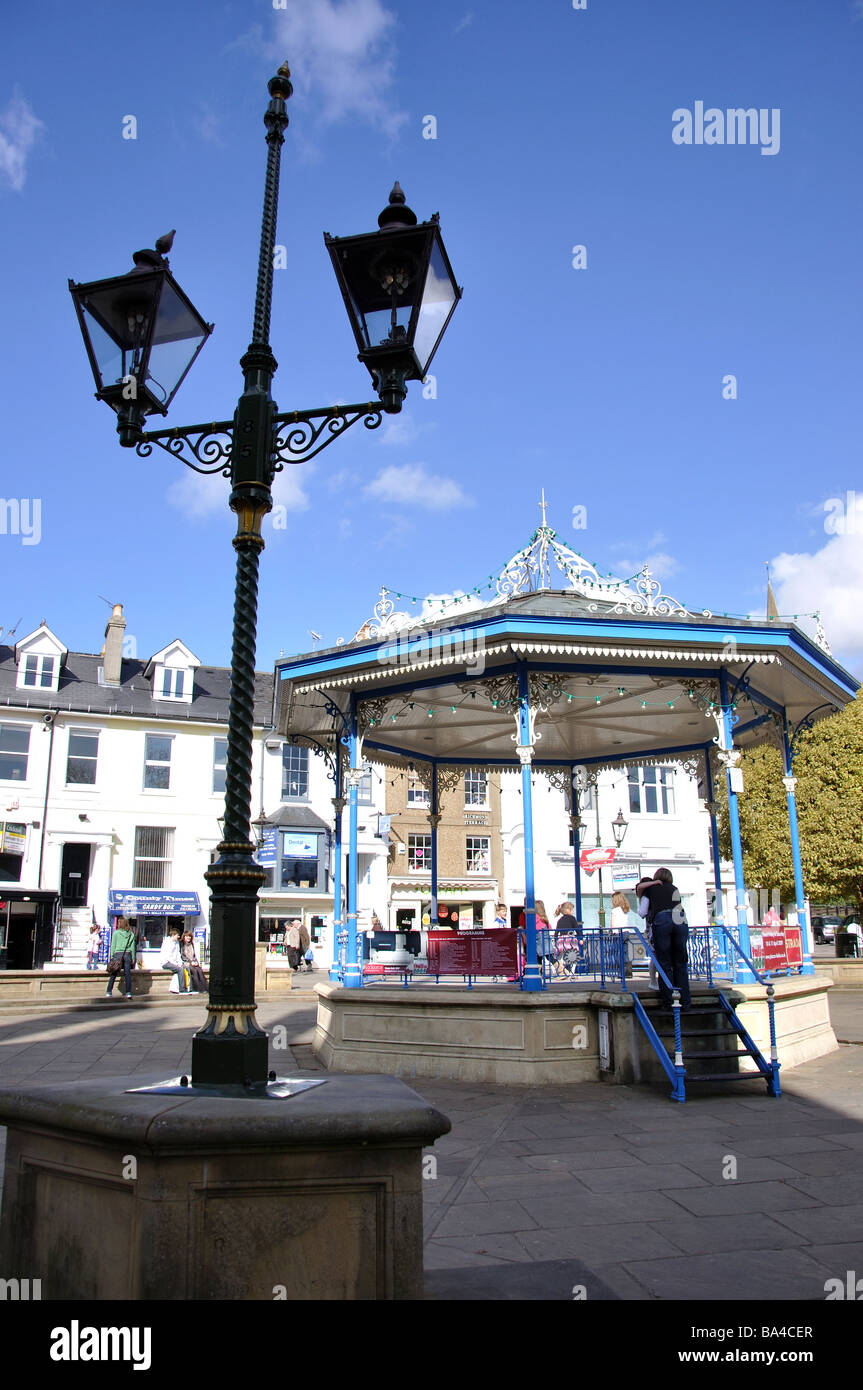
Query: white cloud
x,y
204,496
345,59
464,22
661,565
20,128
830,580
411,483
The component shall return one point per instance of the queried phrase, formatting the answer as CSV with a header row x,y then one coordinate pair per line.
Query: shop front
x,y
27,922
154,912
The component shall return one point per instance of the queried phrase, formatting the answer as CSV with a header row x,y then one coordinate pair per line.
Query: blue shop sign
x,y
143,902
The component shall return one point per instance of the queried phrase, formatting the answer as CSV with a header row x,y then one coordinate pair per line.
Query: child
x,y
93,947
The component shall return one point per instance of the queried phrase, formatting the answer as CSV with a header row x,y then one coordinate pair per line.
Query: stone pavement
x,y
614,1192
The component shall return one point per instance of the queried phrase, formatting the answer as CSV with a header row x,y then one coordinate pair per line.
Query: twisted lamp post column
x,y
231,1048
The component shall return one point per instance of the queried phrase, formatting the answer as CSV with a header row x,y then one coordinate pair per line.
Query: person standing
x,y
93,947
667,918
170,958
122,948
652,977
305,945
293,941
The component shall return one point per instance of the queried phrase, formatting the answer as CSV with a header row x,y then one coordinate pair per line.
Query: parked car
x,y
824,929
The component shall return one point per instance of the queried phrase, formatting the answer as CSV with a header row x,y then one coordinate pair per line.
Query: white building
x,y
112,779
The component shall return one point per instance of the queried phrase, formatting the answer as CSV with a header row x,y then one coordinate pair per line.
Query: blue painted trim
x,y
354,967
532,978
496,627
734,825
714,844
676,1075
808,967
434,808
338,924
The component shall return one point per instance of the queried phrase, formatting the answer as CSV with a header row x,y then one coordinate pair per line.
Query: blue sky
x,y
604,385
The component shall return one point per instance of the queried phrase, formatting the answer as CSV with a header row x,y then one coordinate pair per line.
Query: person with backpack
x,y
121,956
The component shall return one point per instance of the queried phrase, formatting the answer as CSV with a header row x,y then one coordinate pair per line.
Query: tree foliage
x,y
828,765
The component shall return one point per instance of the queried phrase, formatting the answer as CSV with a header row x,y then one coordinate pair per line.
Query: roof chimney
x,y
113,649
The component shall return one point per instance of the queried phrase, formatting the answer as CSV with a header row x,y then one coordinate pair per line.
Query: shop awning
x,y
152,902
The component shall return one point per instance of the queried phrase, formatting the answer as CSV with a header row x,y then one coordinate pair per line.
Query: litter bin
x,y
846,944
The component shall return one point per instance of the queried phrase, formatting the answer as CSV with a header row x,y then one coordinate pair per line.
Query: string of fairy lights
x,y
477,590
510,704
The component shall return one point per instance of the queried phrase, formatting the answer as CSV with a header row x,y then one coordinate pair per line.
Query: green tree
x,y
828,765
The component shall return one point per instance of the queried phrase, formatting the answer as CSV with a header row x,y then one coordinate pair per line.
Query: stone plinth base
x,y
115,1196
500,1035
508,1036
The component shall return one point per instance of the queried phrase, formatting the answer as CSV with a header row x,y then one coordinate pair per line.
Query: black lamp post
x,y
142,334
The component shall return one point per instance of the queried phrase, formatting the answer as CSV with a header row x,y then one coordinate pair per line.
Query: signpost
x,y
472,953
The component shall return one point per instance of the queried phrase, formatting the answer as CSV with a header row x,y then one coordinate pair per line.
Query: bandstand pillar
x,y
789,782
730,757
532,974
576,822
434,822
354,964
714,840
338,919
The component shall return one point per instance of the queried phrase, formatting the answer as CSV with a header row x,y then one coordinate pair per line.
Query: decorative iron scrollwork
x,y
205,448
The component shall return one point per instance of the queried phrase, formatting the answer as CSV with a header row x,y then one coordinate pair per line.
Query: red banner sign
x,y
794,945
472,953
591,859
777,948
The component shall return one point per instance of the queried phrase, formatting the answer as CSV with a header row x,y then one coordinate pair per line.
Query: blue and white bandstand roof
x,y
616,671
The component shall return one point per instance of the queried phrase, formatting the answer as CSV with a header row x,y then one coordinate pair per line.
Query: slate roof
x,y
80,692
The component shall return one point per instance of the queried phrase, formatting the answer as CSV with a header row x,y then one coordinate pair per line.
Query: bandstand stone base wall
x,y
511,1037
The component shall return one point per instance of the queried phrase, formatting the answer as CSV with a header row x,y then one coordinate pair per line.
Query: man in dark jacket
x,y
667,920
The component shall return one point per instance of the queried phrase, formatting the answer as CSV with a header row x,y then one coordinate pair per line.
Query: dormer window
x,y
39,672
39,657
170,683
173,673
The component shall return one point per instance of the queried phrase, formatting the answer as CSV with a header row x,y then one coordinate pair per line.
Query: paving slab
x,y
733,1199
583,1159
825,1225
498,1247
596,1209
756,1274
702,1235
596,1245
540,1281
481,1218
654,1177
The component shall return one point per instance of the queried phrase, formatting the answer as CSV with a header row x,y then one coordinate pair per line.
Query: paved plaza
x,y
596,1191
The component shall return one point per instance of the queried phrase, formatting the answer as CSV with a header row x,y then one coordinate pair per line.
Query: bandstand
x,y
559,673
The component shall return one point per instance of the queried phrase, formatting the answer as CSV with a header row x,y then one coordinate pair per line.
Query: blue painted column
x,y
354,964
338,915
741,970
714,839
576,823
533,980
789,782
434,822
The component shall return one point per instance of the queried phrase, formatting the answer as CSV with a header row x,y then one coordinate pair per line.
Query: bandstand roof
x,y
618,672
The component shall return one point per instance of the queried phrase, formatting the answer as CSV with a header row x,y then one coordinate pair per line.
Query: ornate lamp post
x,y
142,335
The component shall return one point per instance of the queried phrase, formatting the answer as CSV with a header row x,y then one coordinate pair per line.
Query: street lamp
x,y
619,827
142,334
